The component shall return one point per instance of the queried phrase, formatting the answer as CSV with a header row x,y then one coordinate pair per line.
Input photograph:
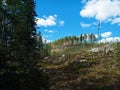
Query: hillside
x,y
77,68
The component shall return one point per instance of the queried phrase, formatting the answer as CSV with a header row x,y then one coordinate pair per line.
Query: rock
x,y
62,58
94,50
46,58
106,48
63,55
83,60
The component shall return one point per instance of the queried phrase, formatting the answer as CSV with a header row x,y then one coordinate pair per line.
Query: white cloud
x,y
46,21
47,36
109,20
85,25
49,21
50,31
101,9
110,39
61,23
96,36
106,34
116,20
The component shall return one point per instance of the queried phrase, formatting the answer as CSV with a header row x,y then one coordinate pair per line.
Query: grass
x,y
95,72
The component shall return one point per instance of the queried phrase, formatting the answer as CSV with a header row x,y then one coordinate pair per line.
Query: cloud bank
x,y
106,34
102,10
110,39
106,37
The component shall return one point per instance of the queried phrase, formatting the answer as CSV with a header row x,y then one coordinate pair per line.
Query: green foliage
x,y
19,46
17,27
44,48
117,50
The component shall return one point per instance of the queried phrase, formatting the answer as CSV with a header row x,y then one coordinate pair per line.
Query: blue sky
x,y
60,18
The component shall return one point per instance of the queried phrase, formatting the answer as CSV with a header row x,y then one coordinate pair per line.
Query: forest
x,y
21,47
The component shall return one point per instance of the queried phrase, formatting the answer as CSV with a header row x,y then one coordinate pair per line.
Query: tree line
x,y
74,40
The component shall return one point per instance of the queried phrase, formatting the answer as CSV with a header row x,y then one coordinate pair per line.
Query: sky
x,y
60,18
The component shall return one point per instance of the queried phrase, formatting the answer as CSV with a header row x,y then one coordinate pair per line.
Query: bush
x,y
117,50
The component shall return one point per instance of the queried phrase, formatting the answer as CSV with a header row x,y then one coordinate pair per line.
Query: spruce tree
x,y
19,50
18,35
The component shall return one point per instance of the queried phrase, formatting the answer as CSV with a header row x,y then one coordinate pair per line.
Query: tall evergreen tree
x,y
21,14
81,38
19,50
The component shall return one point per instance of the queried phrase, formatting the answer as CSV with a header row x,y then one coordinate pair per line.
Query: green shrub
x,y
117,50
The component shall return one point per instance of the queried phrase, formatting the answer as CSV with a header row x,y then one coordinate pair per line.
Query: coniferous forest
x,y
20,47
